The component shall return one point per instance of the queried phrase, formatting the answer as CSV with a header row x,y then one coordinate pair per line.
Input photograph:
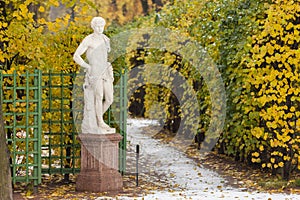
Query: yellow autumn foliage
x,y
275,56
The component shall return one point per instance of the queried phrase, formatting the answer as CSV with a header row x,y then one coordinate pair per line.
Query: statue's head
x,y
98,24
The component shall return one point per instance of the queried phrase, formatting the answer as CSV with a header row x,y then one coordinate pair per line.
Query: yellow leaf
x,y
4,24
41,9
255,154
269,165
292,109
261,147
286,158
281,164
257,132
266,136
54,2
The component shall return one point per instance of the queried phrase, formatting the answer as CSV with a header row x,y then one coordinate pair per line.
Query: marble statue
x,y
98,84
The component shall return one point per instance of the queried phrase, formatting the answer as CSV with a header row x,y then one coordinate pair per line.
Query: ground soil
x,y
236,174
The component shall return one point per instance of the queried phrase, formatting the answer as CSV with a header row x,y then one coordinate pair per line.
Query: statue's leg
x,y
108,94
99,100
99,93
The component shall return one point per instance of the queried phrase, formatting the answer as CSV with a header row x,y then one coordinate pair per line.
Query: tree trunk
x,y
5,176
145,6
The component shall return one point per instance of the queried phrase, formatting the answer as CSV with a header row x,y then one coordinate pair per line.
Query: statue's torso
x,y
97,55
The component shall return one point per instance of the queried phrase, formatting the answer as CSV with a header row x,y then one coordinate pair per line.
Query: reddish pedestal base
x,y
99,163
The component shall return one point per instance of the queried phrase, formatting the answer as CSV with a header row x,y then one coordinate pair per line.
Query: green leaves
x,y
255,45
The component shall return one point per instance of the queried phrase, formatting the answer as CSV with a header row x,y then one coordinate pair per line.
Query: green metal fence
x,y
119,108
22,114
60,149
42,119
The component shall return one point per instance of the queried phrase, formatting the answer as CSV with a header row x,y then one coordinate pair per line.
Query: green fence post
x,y
123,120
38,130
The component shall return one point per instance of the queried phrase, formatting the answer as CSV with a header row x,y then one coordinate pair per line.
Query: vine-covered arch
x,y
165,39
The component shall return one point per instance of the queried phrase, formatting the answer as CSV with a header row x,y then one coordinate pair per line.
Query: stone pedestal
x,y
99,163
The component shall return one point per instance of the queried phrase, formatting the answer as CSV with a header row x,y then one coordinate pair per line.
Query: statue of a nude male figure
x,y
98,85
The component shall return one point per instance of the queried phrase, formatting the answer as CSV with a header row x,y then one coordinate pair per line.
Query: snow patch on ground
x,y
188,180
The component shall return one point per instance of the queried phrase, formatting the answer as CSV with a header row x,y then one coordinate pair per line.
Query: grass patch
x,y
273,184
278,183
297,182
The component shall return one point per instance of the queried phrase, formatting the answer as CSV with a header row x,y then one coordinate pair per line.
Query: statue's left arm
x,y
107,42
110,68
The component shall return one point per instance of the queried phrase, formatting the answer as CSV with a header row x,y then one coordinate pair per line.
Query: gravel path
x,y
179,176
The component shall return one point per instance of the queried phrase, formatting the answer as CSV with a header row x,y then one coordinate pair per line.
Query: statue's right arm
x,y
77,55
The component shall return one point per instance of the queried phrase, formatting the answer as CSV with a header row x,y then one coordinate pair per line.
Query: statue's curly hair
x,y
96,20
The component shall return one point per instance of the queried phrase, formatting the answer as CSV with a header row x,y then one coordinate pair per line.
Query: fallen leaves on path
x,y
236,173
